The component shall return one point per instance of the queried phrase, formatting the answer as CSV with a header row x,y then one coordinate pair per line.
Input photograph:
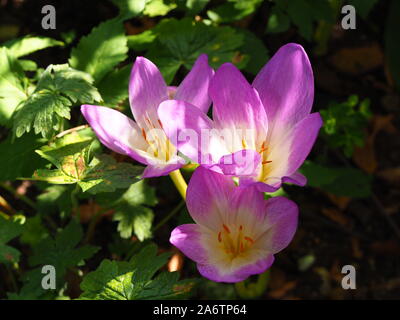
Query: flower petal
x,y
184,125
237,106
115,130
240,163
207,197
194,88
286,87
152,171
296,178
281,221
147,89
216,274
289,152
187,238
304,135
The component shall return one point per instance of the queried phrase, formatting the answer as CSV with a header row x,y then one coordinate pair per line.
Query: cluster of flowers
x,y
259,133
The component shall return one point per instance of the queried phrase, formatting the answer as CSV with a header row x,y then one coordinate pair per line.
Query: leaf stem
x,y
179,181
169,216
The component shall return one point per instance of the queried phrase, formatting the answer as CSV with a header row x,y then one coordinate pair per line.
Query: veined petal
x,y
281,223
303,135
194,88
286,87
147,89
185,125
188,239
115,130
288,152
237,106
207,197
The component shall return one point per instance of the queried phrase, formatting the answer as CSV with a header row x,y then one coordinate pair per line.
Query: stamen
x,y
263,148
144,134
226,228
265,162
249,239
244,144
219,237
160,123
240,228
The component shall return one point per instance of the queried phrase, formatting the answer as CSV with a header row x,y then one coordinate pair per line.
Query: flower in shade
x,y
269,122
237,232
145,140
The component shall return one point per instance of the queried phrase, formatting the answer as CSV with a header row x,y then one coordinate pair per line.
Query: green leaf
x,y
195,6
58,89
180,42
392,41
104,174
55,199
345,124
62,251
348,182
233,10
70,155
129,8
141,41
26,45
9,229
156,8
100,51
12,92
18,158
134,280
255,49
132,213
363,7
278,21
114,86
34,231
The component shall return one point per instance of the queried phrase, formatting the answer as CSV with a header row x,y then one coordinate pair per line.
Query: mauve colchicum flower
x,y
145,140
237,232
275,109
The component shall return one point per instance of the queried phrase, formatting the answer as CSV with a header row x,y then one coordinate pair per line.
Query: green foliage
x,y
114,86
129,8
340,181
100,51
70,155
9,229
12,89
156,8
302,13
18,158
29,44
34,231
363,7
345,123
135,280
58,89
180,42
132,212
233,10
62,252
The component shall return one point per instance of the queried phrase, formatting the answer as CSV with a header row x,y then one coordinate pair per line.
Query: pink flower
x,y
261,132
145,140
237,232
